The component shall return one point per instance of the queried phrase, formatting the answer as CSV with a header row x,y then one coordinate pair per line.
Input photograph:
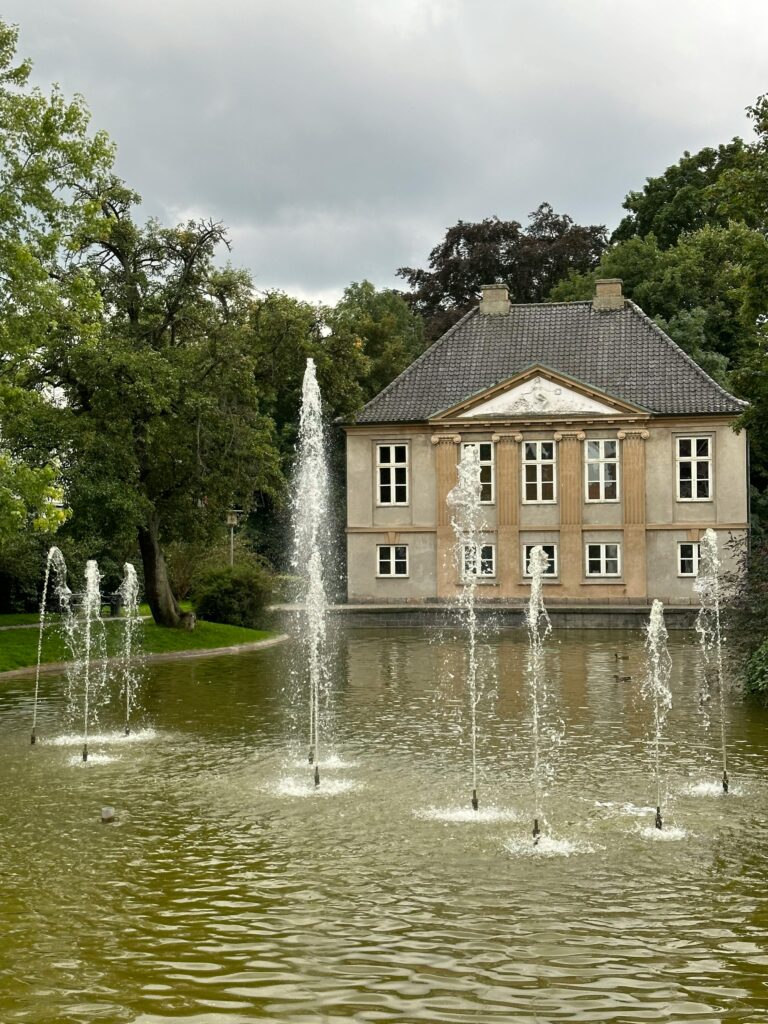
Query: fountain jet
x,y
539,627
707,585
656,690
129,597
55,561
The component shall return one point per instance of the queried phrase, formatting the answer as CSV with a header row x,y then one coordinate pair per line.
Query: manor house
x,y
597,436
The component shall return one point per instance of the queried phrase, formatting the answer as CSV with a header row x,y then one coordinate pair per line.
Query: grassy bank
x,y
18,647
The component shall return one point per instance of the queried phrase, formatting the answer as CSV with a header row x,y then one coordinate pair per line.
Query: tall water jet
x,y
655,689
466,520
54,561
707,585
129,598
91,611
538,626
312,548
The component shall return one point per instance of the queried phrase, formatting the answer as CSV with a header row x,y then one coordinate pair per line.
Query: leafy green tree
x,y
47,163
383,328
161,417
529,260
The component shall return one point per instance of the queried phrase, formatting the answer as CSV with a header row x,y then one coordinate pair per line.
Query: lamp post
x,y
233,518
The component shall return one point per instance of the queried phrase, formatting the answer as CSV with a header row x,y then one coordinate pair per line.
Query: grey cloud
x,y
339,139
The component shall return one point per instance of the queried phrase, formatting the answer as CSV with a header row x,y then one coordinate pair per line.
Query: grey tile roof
x,y
620,352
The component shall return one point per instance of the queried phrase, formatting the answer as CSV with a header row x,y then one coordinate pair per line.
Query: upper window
x,y
602,470
688,559
392,560
538,471
603,559
479,561
392,474
485,455
694,468
550,550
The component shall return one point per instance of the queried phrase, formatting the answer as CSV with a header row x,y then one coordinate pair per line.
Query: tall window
x,y
688,559
694,468
602,469
603,559
485,453
392,474
538,471
550,550
392,560
479,560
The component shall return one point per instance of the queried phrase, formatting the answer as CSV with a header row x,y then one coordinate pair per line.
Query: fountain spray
x,y
656,690
539,627
91,612
707,585
312,543
129,596
464,502
55,561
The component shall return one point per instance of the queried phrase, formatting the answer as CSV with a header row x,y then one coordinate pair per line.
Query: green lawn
x,y
18,647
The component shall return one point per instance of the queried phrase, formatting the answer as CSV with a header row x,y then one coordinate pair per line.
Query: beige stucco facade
x,y
648,522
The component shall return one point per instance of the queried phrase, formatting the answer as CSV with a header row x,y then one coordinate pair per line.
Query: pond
x,y
228,890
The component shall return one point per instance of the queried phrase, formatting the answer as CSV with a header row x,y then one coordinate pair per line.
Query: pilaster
x,y
446,478
507,468
570,500
633,503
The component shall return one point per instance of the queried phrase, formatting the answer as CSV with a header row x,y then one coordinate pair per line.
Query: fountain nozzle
x,y
127,730
85,751
33,741
658,821
475,803
725,781
317,774
311,755
536,832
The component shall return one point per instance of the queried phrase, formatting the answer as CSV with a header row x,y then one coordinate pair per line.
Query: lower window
x,y
550,550
479,560
688,559
392,559
603,559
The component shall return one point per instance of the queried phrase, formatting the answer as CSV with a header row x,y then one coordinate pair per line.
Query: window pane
x,y
593,491
593,472
547,492
486,560
593,566
547,450
702,447
549,551
609,449
486,492
610,492
530,492
611,567
610,472
702,471
400,494
684,447
530,451
384,476
400,553
385,494
548,471
399,453
384,561
611,550
399,474
593,449
685,470
485,452
702,488
531,474
685,489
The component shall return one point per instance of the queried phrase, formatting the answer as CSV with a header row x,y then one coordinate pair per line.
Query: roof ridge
x,y
681,352
420,359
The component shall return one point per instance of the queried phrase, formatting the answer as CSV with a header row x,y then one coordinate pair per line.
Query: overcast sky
x,y
339,138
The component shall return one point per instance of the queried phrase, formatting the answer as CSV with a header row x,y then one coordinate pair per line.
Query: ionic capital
x,y
570,435
446,439
633,435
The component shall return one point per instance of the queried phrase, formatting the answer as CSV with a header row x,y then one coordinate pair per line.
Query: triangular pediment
x,y
538,392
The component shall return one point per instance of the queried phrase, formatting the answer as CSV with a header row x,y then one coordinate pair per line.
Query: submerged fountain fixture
x,y
539,627
708,627
466,520
129,597
54,562
312,546
656,691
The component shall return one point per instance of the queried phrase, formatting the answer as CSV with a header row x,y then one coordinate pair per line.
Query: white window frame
x,y
603,559
694,459
601,462
392,465
695,546
393,560
538,462
479,575
485,463
528,548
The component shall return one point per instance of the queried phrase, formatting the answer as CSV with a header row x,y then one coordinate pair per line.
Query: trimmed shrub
x,y
235,595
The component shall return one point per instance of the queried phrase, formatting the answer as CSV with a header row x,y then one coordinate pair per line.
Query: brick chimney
x,y
494,299
608,294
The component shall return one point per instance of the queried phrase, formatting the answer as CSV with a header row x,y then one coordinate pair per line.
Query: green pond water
x,y
227,890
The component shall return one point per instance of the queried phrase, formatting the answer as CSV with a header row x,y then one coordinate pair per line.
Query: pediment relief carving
x,y
537,395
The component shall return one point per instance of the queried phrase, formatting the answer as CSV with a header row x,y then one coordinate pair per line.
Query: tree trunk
x,y
162,602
